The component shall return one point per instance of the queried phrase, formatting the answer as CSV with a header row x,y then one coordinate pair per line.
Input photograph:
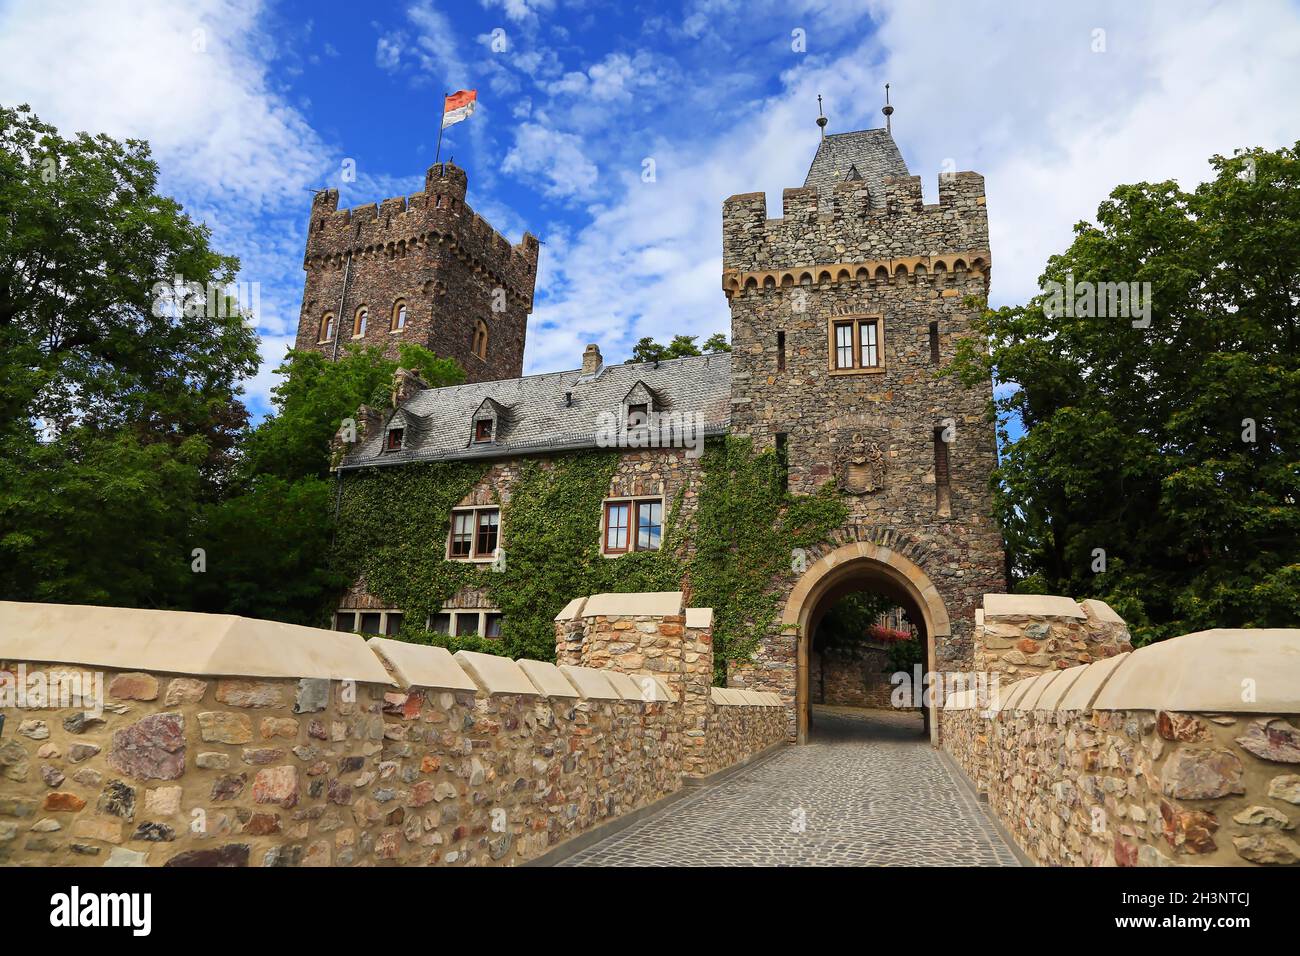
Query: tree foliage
x,y
648,350
1159,466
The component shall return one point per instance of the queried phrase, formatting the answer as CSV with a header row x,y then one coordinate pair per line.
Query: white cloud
x,y
556,159
192,80
520,10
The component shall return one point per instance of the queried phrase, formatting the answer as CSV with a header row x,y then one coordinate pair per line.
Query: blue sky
x,y
251,103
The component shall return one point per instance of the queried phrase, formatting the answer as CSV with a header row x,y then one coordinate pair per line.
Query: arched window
x,y
327,327
359,323
399,316
480,343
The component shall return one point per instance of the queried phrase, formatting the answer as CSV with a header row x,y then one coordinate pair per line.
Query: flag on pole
x,y
458,106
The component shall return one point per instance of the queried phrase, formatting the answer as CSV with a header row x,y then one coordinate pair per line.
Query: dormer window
x,y
394,442
483,430
638,415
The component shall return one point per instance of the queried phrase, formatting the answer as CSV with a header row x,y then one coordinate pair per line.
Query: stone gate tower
x,y
843,313
424,269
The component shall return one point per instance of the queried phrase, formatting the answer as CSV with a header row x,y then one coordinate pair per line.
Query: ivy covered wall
x,y
729,531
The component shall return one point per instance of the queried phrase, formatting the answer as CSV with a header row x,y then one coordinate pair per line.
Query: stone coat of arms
x,y
860,464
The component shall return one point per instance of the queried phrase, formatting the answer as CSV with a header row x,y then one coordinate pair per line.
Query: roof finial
x,y
821,120
887,110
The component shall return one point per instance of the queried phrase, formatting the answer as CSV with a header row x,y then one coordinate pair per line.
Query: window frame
x,y
399,309
478,427
475,554
634,505
327,325
480,337
389,444
360,322
856,344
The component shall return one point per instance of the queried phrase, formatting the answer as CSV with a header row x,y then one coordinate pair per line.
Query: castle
x,y
843,314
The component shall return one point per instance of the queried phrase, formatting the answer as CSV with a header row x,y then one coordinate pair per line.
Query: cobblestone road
x,y
869,790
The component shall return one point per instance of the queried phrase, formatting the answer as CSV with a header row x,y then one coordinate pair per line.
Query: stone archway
x,y
854,567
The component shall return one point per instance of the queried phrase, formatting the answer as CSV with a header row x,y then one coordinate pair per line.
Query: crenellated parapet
x,y
436,222
845,227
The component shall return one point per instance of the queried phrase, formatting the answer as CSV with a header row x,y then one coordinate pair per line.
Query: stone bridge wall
x,y
222,741
1182,752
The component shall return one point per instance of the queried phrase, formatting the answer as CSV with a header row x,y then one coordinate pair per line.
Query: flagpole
x,y
441,117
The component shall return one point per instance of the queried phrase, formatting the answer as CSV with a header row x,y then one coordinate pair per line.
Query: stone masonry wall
x,y
1155,757
851,677
465,760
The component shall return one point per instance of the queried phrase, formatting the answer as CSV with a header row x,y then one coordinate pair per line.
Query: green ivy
x,y
393,523
748,528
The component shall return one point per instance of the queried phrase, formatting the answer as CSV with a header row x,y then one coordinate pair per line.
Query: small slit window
x,y
479,344
399,317
327,327
360,323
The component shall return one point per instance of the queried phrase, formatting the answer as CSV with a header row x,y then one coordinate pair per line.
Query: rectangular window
x,y
483,430
616,522
637,415
345,621
486,544
844,345
395,439
467,624
462,534
493,625
370,623
649,525
441,623
780,351
867,339
942,486
934,342
393,623
856,345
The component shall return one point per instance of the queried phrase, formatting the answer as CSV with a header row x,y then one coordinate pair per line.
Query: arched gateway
x,y
856,567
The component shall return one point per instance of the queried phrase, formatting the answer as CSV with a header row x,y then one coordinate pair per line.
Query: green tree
x,y
118,407
1159,463
648,350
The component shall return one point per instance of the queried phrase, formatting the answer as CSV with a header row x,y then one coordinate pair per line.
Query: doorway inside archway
x,y
856,647
859,568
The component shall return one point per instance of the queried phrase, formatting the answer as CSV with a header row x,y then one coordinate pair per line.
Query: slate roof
x,y
867,154
539,420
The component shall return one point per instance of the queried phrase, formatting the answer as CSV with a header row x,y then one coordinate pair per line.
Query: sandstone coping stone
x,y
1010,697
1204,671
1085,687
182,642
1100,611
1053,694
1031,605
1030,701
591,683
753,698
571,610
417,665
728,696
546,677
627,688
651,688
634,604
979,617
699,618
495,675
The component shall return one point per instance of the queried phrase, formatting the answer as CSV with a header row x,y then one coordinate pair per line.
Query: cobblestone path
x,y
868,789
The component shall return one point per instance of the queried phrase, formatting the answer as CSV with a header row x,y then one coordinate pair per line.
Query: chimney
x,y
405,386
591,360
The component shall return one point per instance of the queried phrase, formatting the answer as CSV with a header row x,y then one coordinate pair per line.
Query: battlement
x,y
439,217
849,223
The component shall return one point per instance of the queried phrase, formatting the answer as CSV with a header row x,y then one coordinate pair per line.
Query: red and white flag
x,y
458,106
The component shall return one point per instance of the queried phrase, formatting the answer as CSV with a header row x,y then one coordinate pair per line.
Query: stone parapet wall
x,y
656,634
1185,752
354,753
1022,635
